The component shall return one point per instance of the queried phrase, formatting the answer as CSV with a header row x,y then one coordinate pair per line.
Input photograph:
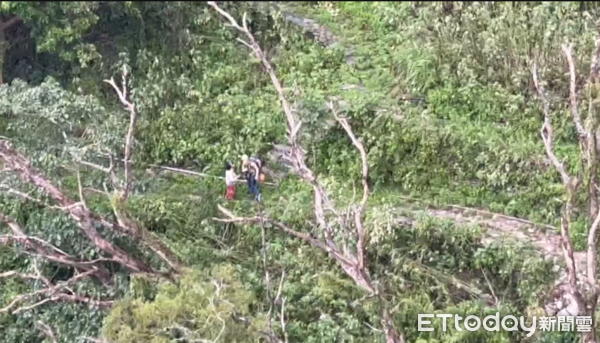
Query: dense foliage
x,y
439,92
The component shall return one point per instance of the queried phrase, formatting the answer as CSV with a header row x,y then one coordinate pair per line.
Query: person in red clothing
x,y
230,179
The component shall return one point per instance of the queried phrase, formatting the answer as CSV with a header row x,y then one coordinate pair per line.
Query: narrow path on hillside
x,y
544,238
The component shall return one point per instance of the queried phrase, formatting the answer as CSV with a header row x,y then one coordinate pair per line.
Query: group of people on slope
x,y
252,172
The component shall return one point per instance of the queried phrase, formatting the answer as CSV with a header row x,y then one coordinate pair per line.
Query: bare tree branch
x,y
592,248
85,218
301,235
547,131
568,51
124,227
52,293
570,186
292,129
47,331
353,264
283,322
48,251
359,212
80,189
130,107
82,216
588,176
96,166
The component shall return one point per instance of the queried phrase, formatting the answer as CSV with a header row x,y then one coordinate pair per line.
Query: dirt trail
x,y
544,238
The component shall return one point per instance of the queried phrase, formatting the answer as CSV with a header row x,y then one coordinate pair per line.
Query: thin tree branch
x,y
568,51
47,331
291,122
80,189
359,212
130,107
52,292
547,131
592,251
95,166
48,251
566,178
496,301
267,276
301,235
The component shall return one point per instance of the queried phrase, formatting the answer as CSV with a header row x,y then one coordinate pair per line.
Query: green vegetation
x,y
439,94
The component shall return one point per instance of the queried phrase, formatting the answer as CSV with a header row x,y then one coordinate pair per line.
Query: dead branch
x,y
82,216
280,288
592,254
85,219
125,224
353,264
95,166
589,151
489,284
570,186
568,51
80,189
38,247
46,330
248,220
547,131
359,212
52,292
293,128
283,322
130,107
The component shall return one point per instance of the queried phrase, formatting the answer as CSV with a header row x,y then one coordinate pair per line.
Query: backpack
x,y
258,162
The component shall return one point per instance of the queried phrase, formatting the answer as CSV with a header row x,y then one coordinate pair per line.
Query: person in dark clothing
x,y
251,167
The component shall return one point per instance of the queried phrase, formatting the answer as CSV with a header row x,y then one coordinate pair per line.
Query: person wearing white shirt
x,y
230,179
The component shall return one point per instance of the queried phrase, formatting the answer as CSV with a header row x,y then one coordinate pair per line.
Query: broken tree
x,y
582,291
342,234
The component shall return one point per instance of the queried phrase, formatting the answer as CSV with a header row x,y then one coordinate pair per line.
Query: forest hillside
x,y
419,157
